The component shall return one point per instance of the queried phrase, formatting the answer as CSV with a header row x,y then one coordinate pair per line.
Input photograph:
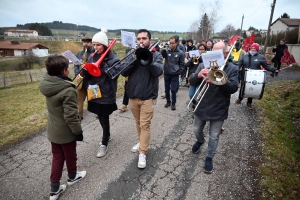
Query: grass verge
x,y
23,111
279,111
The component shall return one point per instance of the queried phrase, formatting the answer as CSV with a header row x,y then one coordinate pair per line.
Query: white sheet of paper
x,y
68,54
194,53
128,39
213,56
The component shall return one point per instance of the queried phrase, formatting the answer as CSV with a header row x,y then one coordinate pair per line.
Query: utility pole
x,y
269,27
242,26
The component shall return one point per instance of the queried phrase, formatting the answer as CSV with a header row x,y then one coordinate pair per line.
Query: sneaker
x,y
173,107
142,161
222,129
55,195
167,104
249,106
196,147
79,176
238,101
163,96
208,167
135,148
102,151
123,108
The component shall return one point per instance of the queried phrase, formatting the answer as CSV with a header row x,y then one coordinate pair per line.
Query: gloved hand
x,y
79,137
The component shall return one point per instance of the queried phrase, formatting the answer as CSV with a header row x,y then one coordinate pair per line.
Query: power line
x,y
256,10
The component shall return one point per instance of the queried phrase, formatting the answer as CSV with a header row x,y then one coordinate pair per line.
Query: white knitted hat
x,y
101,37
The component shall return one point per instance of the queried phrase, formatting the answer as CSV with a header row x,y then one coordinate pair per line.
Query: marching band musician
x,y
82,55
213,107
105,105
173,67
142,90
253,60
193,67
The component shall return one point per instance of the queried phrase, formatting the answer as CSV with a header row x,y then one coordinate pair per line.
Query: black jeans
x,y
277,64
125,97
104,121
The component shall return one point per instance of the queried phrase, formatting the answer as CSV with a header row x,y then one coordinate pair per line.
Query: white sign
x,y
194,53
128,39
68,54
213,56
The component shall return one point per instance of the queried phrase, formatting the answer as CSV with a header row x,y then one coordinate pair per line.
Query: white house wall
x,y
18,53
40,52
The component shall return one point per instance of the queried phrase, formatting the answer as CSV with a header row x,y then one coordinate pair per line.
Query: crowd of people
x,y
65,101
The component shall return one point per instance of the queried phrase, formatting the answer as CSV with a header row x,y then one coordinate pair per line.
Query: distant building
x,y
20,33
283,24
16,48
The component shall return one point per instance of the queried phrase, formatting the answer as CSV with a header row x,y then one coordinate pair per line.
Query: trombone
x,y
143,57
216,75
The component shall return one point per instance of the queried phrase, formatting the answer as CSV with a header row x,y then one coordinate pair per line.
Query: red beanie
x,y
256,46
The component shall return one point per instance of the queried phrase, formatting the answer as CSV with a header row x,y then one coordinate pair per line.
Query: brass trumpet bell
x,y
217,77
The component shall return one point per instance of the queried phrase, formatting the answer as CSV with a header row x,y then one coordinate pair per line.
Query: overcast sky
x,y
161,15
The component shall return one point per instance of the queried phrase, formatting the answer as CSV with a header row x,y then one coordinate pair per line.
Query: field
x,y
74,33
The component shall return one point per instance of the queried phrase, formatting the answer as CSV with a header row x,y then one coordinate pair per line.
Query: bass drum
x,y
254,84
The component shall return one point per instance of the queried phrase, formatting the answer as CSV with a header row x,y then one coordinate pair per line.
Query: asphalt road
x,y
172,171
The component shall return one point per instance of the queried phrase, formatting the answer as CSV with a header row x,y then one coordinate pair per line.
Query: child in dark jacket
x,y
63,128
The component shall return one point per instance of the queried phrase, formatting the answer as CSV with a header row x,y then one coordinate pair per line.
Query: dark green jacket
x,y
61,100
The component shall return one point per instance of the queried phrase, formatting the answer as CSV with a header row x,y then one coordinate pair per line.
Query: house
x,y
283,24
16,48
20,33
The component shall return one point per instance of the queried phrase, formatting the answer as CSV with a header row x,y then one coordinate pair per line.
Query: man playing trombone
x,y
142,90
213,106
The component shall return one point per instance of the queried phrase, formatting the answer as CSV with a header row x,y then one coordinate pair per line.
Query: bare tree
x,y
228,31
193,30
212,10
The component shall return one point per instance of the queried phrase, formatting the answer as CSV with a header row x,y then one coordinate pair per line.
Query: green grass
x,y
280,113
23,111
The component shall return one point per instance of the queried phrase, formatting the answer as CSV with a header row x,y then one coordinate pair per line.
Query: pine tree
x,y
204,29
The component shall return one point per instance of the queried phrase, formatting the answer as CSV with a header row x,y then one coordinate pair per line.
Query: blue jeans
x,y
215,129
171,83
192,90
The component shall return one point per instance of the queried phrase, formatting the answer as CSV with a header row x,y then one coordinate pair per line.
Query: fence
x,y
11,78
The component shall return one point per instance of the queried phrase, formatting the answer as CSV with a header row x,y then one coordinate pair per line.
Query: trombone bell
x,y
217,77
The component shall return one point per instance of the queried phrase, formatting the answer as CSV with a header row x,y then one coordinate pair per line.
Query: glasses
x,y
201,49
172,43
142,38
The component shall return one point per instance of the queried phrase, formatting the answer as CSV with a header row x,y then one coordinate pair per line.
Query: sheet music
x,y
194,53
68,54
128,39
213,56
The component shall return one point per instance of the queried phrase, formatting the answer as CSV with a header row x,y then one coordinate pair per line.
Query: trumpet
x,y
216,75
143,57
196,59
93,68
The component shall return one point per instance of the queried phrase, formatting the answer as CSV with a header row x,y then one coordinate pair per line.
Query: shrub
x,y
28,61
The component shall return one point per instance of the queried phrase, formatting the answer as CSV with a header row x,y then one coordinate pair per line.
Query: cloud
x,y
166,15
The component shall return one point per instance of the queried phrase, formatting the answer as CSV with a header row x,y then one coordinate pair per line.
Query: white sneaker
x,y
135,148
79,176
55,195
142,161
102,151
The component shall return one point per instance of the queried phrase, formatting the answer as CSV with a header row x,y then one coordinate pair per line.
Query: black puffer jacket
x,y
215,103
143,80
108,86
279,51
